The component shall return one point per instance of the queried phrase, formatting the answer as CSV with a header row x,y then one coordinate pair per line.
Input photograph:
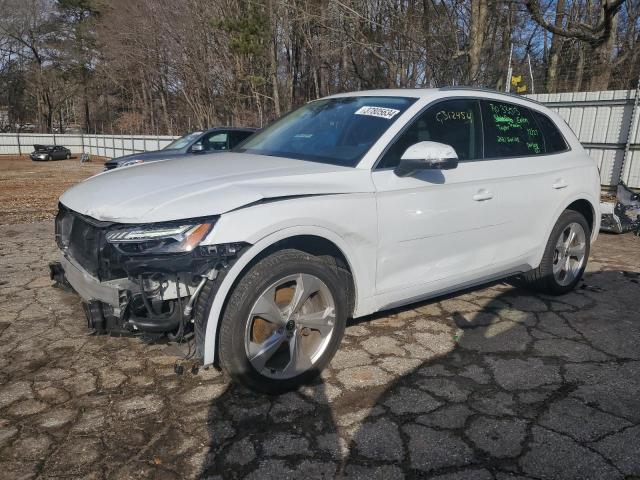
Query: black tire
x,y
542,278
231,340
48,158
68,156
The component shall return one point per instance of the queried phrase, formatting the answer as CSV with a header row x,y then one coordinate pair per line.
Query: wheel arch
x,y
312,239
583,203
584,207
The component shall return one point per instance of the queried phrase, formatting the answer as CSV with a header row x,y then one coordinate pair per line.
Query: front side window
x,y
553,140
334,130
510,131
215,141
453,122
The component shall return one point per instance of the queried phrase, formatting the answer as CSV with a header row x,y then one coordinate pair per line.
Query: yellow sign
x,y
515,80
521,89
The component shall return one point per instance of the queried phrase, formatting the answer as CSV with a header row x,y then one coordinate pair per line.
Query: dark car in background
x,y
219,139
50,152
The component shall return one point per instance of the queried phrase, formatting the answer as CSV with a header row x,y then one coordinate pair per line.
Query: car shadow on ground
x,y
491,383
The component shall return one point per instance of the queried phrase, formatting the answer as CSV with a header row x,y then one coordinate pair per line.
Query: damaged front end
x,y
138,278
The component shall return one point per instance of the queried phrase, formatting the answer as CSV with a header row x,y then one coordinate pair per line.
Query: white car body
x,y
404,238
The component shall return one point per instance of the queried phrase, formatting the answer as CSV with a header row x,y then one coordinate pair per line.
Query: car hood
x,y
146,156
201,186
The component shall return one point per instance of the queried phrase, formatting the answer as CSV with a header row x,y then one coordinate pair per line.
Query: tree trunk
x,y
551,80
601,66
273,59
48,112
165,112
505,47
476,38
579,68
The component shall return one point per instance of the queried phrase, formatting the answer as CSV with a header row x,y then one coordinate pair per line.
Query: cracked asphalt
x,y
491,383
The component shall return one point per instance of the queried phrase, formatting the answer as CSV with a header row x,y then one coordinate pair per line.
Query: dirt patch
x,y
29,190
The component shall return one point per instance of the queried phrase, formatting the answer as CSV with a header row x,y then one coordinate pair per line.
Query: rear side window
x,y
510,131
237,137
553,139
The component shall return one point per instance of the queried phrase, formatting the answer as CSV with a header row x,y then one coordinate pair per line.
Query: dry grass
x,y
29,190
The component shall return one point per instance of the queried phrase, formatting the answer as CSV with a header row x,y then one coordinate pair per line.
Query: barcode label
x,y
381,112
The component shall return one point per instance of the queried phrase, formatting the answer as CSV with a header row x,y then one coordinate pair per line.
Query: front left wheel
x,y
283,322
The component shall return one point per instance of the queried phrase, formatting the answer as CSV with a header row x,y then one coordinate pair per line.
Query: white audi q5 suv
x,y
351,204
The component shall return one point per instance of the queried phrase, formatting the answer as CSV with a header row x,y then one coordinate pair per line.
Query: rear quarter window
x,y
553,139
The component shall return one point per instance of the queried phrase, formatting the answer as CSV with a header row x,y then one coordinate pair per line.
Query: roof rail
x,y
490,90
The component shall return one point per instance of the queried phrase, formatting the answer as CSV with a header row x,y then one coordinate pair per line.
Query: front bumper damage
x,y
152,294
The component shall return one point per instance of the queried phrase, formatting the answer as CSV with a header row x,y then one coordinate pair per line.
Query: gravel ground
x,y
29,190
492,383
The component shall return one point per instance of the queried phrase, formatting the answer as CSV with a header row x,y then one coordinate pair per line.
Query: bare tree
x,y
600,35
161,66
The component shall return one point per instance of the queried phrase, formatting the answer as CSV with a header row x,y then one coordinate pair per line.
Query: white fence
x,y
607,123
603,123
100,145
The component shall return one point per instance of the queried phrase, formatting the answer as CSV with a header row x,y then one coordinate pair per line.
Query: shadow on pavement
x,y
491,383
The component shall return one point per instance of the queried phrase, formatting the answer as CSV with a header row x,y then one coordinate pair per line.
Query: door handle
x,y
559,184
483,195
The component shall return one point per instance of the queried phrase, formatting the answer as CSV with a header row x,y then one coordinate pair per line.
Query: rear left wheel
x,y
565,256
283,322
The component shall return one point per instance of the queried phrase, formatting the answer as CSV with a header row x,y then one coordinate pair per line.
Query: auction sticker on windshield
x,y
381,112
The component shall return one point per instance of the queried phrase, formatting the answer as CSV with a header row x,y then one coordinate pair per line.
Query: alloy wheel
x,y
290,326
569,255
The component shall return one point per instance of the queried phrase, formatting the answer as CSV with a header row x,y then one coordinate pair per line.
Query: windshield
x,y
335,130
183,141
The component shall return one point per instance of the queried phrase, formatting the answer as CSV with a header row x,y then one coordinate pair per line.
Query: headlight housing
x,y
160,238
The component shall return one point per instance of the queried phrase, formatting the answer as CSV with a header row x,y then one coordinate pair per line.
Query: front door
x,y
435,226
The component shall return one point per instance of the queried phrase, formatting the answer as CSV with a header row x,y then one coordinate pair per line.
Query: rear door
x,y
436,227
534,175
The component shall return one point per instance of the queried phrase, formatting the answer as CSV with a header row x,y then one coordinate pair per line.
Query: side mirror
x,y
426,156
198,147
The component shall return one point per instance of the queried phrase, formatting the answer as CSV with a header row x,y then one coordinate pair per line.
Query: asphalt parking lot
x,y
492,383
